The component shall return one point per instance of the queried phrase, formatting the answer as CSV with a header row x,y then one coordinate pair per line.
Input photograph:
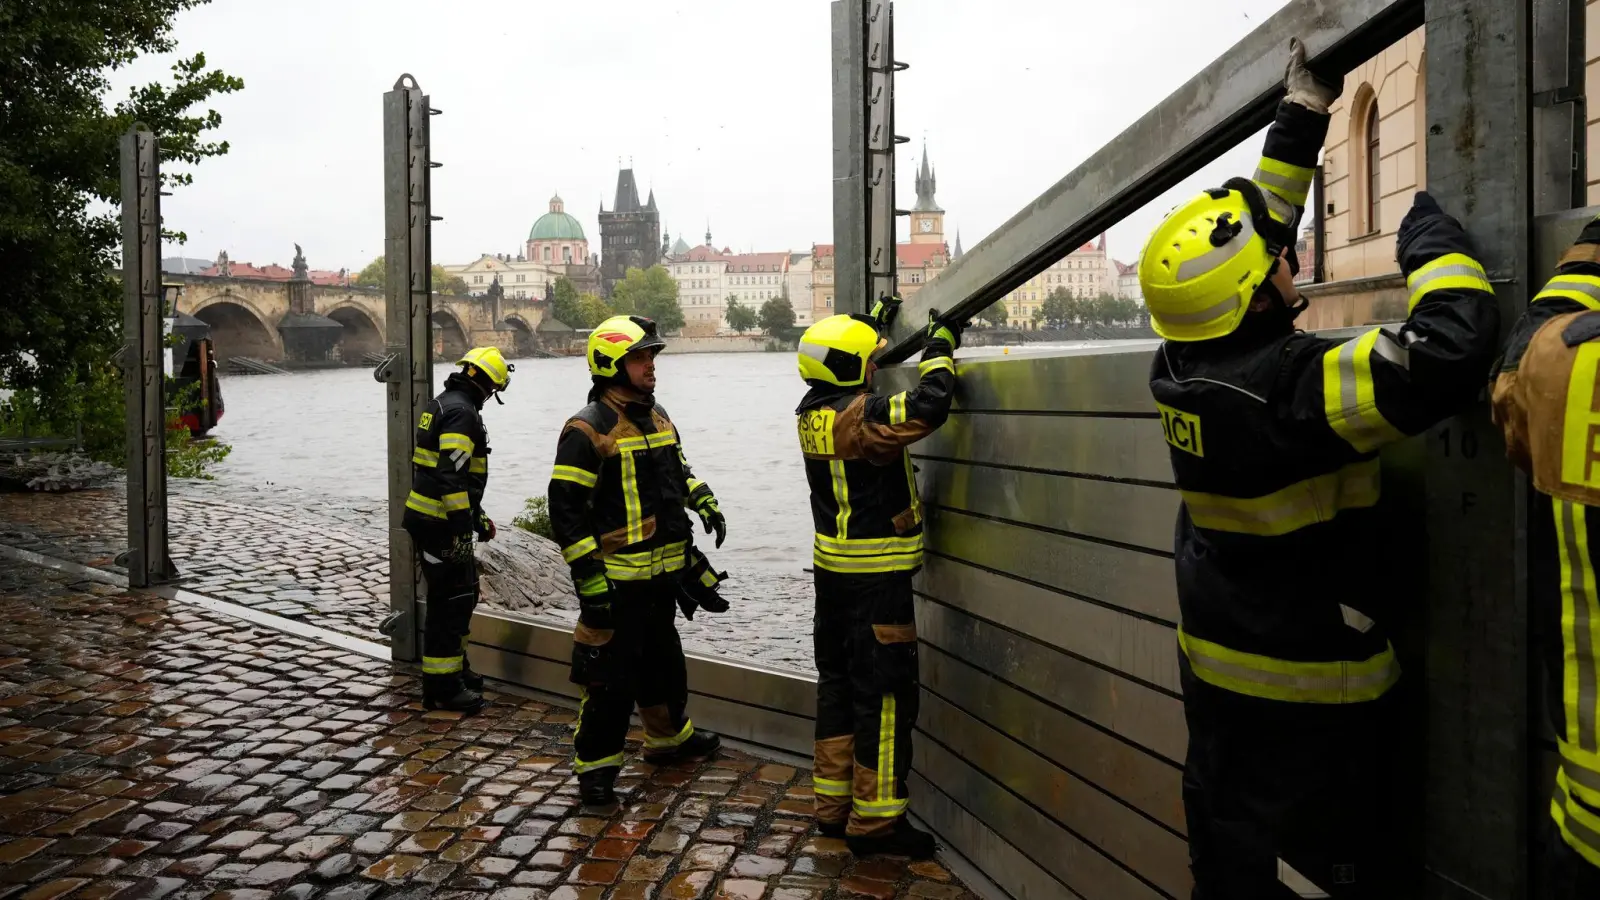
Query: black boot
x,y
832,829
448,693
472,680
904,840
594,788
700,743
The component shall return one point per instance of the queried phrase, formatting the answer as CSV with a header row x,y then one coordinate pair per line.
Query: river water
x,y
323,432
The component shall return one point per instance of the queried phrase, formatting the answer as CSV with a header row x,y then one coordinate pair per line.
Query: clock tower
x,y
927,219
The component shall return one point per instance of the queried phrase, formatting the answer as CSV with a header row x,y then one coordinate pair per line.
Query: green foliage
x,y
994,314
594,310
777,317
535,517
59,157
649,292
376,276
567,306
1059,310
740,318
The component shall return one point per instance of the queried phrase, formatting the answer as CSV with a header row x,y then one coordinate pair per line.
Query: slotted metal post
x,y
881,142
407,370
144,376
1476,833
849,157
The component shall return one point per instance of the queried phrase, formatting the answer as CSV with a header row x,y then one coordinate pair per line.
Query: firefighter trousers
x,y
452,597
640,662
865,638
1288,800
1567,875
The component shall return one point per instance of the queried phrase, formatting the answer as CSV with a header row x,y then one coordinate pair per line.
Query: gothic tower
x,y
927,219
630,233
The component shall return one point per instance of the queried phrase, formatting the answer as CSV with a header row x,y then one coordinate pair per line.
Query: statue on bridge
x,y
301,273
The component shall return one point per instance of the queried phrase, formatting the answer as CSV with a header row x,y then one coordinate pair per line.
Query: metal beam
x,y
849,156
1229,100
1476,775
144,375
407,369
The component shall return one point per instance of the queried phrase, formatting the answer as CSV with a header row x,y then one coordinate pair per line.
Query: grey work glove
x,y
1303,87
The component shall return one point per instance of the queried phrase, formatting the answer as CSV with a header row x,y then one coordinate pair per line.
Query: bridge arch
x,y
238,328
525,339
450,339
363,334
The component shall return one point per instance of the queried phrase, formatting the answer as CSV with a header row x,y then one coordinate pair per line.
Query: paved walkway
x,y
151,749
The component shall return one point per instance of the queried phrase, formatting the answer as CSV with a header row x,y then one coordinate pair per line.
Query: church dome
x,y
556,225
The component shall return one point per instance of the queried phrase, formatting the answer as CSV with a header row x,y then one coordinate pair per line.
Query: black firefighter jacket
x,y
619,490
864,504
1274,436
450,463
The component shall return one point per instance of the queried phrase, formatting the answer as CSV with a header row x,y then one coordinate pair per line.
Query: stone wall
x,y
722,343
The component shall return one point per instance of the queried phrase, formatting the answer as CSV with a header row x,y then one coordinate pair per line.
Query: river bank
x,y
324,560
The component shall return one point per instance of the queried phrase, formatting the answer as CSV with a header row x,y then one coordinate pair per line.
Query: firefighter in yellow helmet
x,y
1273,437
867,547
1546,398
449,470
619,497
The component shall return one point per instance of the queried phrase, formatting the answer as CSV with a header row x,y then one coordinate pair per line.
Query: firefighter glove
x,y
948,332
1425,217
460,549
711,517
485,528
884,312
594,599
1303,87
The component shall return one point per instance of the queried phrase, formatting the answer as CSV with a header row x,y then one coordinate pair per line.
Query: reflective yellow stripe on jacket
x,y
1580,632
1349,394
580,477
425,505
1297,506
646,564
1583,289
428,459
1290,182
1451,271
1579,826
1282,679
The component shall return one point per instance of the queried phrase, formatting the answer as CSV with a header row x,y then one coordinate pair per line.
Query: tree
x,y
649,292
60,170
1059,309
375,276
777,317
994,314
594,311
567,306
740,318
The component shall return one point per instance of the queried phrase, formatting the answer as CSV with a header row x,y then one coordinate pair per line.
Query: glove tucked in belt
x,y
697,588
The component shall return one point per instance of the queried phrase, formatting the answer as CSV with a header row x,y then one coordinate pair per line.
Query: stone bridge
x,y
297,321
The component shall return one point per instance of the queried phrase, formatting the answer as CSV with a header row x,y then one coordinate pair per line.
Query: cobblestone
x,y
292,554
121,715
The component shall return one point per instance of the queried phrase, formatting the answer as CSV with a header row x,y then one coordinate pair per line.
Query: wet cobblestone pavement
x,y
286,553
158,750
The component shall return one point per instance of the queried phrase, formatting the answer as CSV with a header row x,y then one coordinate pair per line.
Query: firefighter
x,y
867,547
1285,663
449,470
618,497
1546,398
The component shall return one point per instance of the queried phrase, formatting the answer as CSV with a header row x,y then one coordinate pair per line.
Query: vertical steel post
x,y
849,157
407,369
881,142
1560,170
1475,803
144,377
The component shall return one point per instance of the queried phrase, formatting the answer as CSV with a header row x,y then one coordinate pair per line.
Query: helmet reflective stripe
x,y
1226,307
815,351
837,349
1200,265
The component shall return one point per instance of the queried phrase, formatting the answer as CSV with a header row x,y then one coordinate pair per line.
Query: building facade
x,y
798,288
519,278
1086,273
701,274
630,233
1374,160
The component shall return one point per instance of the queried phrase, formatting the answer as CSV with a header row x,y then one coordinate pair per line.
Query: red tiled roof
x,y
702,253
275,272
917,256
758,262
1126,268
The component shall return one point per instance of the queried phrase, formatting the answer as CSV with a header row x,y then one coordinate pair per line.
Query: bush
x,y
535,517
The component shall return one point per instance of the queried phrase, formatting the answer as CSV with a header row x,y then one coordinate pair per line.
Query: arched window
x,y
1374,160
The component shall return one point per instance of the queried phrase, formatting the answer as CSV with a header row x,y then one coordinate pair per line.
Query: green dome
x,y
556,226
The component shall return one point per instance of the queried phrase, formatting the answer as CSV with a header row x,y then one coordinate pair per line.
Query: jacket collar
x,y
628,400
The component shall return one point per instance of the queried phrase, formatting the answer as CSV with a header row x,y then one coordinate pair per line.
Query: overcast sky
x,y
722,106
